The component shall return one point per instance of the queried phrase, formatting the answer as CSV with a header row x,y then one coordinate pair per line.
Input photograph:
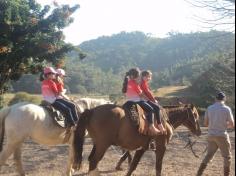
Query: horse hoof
x,y
76,166
95,172
68,174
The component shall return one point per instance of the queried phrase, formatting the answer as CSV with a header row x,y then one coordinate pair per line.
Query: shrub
x,y
115,97
23,96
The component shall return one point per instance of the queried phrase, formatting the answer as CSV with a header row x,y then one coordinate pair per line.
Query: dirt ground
x,y
179,161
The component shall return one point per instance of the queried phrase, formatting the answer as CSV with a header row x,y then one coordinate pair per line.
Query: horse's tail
x,y
79,137
3,113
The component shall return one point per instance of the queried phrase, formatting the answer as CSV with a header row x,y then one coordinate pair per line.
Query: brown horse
x,y
108,125
177,116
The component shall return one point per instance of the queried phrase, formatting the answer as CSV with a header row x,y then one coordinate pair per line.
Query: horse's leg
x,y
95,156
92,152
125,155
14,140
137,156
18,161
160,151
8,149
129,158
69,169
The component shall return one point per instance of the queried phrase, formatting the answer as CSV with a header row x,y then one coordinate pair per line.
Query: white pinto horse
x,y
26,120
89,103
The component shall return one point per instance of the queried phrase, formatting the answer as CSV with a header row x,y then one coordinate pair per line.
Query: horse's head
x,y
192,119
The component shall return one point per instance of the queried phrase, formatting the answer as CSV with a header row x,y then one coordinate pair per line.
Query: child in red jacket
x,y
146,76
60,83
133,93
52,94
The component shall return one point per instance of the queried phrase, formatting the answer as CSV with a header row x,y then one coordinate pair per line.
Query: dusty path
x,y
45,161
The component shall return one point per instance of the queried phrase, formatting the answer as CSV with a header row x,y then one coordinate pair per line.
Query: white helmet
x,y
61,72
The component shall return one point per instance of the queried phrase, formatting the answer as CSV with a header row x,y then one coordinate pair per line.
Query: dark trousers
x,y
148,109
156,109
68,108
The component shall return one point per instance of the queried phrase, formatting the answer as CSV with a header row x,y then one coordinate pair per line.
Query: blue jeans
x,y
68,108
148,109
156,109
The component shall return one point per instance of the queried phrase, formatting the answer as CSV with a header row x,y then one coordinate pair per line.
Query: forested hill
x,y
196,59
136,48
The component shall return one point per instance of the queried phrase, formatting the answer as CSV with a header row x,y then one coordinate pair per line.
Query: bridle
x,y
189,120
185,120
190,143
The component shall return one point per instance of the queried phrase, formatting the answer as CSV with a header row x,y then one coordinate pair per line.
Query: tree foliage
x,y
220,77
31,36
176,60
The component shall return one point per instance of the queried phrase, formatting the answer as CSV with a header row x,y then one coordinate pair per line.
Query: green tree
x,y
31,36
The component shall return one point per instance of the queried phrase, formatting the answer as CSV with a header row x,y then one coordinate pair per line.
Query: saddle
x,y
138,117
57,116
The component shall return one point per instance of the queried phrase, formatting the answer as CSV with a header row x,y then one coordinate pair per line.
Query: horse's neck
x,y
176,116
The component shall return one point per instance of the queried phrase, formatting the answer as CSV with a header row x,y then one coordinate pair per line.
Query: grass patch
x,y
172,91
23,96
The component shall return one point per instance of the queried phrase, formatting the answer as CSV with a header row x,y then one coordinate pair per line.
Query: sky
x,y
96,18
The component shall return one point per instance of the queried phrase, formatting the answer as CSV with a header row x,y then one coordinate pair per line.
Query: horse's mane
x,y
22,103
179,105
176,108
173,106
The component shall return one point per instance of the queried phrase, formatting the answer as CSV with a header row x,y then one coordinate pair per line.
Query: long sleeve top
x,y
133,91
146,90
49,90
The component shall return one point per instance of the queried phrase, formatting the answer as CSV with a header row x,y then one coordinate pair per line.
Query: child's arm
x,y
140,92
61,90
64,95
148,92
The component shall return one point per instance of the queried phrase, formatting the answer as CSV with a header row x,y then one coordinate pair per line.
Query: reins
x,y
190,143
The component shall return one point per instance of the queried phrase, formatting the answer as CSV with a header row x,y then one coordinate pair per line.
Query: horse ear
x,y
189,106
179,102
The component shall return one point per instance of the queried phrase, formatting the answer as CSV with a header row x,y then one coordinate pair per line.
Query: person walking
x,y
218,118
